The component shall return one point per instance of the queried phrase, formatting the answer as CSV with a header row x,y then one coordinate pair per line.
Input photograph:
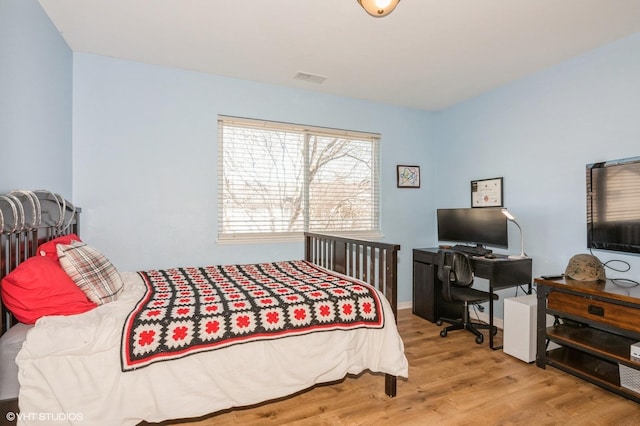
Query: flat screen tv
x,y
613,205
479,226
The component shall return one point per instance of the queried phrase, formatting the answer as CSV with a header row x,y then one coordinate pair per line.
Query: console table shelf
x,y
595,329
585,366
597,342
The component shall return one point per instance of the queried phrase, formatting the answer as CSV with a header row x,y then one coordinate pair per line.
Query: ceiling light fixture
x,y
378,8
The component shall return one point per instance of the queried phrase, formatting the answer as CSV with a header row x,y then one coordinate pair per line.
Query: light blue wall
x,y
35,100
144,147
539,133
145,153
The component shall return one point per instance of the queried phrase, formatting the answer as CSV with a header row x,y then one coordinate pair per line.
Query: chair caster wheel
x,y
443,333
494,331
438,323
480,339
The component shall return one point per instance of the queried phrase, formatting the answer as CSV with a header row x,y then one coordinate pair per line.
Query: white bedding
x,y
69,367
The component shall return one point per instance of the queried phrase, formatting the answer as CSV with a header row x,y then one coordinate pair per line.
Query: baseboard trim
x,y
405,305
484,317
475,315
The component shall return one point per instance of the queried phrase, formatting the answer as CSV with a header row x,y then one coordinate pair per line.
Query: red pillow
x,y
49,248
38,287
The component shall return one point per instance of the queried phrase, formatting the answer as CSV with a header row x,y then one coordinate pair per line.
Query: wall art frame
x,y
408,176
487,192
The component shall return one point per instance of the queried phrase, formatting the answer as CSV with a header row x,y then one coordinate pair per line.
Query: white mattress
x,y
71,365
10,345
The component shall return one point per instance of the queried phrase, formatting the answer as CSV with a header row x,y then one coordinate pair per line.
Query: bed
x,y
84,368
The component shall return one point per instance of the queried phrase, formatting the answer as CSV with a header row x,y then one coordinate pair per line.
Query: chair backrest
x,y
454,269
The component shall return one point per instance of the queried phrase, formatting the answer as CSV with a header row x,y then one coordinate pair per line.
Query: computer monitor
x,y
613,205
480,226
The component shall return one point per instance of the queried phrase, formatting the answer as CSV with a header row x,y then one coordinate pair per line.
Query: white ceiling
x,y
427,54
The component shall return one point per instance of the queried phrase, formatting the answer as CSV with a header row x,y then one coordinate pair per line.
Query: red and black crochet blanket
x,y
190,310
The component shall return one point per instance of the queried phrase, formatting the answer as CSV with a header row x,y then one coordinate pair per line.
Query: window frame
x,y
260,237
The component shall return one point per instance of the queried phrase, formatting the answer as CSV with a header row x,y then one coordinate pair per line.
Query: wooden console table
x,y
596,323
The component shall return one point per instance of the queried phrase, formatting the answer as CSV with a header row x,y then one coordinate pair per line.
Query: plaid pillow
x,y
91,271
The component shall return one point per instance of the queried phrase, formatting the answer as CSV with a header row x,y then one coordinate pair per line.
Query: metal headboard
x,y
28,219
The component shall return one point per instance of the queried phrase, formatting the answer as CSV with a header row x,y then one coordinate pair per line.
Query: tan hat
x,y
585,267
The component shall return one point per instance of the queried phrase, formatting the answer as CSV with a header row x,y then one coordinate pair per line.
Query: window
x,y
277,180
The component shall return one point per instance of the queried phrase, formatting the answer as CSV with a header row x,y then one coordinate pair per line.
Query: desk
x,y
428,303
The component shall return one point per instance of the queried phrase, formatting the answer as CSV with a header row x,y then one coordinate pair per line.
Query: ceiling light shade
x,y
378,8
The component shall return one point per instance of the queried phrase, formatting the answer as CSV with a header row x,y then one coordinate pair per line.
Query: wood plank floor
x,y
452,381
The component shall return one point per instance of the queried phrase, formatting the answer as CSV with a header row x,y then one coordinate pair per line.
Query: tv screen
x,y
480,226
613,205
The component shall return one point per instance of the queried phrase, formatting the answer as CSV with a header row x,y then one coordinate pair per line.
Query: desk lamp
x,y
511,218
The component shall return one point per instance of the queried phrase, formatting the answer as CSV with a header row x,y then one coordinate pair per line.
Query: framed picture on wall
x,y
408,176
486,192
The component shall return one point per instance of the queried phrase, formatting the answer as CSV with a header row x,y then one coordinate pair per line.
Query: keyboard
x,y
471,250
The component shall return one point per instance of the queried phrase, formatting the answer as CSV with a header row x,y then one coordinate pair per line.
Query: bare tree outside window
x,y
286,181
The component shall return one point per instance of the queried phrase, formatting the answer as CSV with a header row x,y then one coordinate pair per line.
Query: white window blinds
x,y
276,180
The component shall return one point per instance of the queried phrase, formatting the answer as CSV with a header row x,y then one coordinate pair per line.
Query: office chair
x,y
456,274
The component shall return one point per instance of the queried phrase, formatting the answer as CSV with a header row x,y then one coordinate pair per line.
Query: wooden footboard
x,y
375,263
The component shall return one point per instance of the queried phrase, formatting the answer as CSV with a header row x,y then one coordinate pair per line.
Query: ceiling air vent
x,y
311,78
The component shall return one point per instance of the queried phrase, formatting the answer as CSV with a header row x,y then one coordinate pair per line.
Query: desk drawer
x,y
624,317
425,256
482,269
